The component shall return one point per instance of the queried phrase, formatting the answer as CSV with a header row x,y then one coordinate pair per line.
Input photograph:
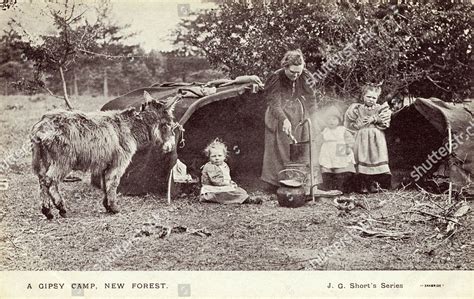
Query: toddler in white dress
x,y
336,157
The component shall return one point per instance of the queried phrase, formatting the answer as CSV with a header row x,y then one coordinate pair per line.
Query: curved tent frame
x,y
150,168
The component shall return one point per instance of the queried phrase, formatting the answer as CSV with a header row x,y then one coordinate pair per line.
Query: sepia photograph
x,y
229,136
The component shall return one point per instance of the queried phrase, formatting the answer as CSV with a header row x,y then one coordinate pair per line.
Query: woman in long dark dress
x,y
290,97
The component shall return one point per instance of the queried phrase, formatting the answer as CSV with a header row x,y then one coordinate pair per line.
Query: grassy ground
x,y
217,237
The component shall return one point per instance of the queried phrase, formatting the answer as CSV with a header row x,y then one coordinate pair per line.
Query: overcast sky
x,y
154,19
151,19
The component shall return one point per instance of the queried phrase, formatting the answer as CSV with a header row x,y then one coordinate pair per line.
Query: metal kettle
x,y
291,193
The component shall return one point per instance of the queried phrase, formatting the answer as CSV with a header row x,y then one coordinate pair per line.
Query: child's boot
x,y
373,187
341,180
363,184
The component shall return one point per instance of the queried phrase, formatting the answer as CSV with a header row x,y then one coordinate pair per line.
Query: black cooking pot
x,y
299,152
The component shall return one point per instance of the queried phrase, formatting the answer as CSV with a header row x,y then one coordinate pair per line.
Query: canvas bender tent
x,y
418,141
234,112
230,110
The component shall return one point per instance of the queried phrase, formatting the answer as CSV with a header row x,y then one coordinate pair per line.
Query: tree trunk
x,y
76,89
106,85
66,97
88,83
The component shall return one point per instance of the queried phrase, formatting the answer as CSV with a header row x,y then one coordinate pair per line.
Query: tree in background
x,y
178,66
54,53
422,49
13,64
82,54
85,53
110,59
155,63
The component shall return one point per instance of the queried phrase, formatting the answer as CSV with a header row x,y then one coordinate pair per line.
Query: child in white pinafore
x,y
336,157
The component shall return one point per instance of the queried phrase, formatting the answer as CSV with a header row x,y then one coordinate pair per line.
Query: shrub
x,y
423,50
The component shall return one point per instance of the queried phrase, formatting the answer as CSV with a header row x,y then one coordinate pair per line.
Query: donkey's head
x,y
161,121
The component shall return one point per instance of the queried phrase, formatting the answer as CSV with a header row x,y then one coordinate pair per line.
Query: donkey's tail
x,y
39,157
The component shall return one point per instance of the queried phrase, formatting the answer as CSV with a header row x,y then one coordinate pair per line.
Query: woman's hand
x,y
287,127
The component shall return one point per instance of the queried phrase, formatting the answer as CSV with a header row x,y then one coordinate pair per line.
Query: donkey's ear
x,y
171,104
170,108
147,96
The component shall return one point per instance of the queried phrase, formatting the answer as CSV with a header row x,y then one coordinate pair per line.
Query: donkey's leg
x,y
56,174
45,184
112,181
57,199
105,201
40,167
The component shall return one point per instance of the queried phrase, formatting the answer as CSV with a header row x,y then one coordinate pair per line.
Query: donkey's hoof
x,y
47,213
113,209
63,213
